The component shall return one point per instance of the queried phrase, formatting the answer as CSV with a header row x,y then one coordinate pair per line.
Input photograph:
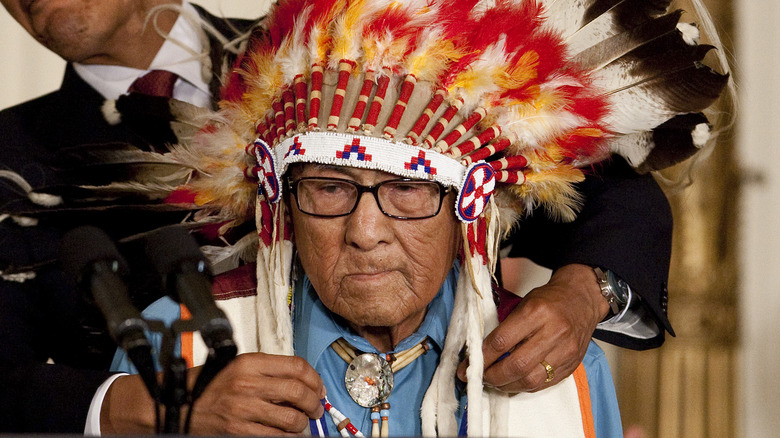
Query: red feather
x,y
182,195
552,53
284,19
394,21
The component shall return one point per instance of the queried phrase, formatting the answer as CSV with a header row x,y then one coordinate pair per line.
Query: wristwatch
x,y
615,290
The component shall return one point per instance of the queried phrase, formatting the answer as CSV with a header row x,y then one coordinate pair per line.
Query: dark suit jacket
x,y
624,226
46,318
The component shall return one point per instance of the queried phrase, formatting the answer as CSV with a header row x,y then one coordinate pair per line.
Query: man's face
x,y
79,30
373,270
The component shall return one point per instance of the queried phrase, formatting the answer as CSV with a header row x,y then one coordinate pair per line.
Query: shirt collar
x,y
316,327
178,57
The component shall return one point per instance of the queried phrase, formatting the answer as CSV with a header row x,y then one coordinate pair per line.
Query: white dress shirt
x,y
181,54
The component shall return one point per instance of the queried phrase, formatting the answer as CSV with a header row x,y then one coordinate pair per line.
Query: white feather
x,y
635,110
565,16
592,33
44,199
293,56
614,76
18,277
701,135
483,68
633,147
537,127
689,32
24,221
225,258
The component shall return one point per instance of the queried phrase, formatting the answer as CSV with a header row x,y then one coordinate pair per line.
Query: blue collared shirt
x,y
315,328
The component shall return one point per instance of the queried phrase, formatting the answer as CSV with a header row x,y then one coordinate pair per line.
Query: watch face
x,y
619,287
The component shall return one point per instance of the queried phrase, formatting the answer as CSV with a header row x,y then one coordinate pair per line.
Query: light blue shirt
x,y
315,328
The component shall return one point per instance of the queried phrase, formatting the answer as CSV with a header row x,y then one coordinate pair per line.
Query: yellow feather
x,y
319,37
347,32
428,64
395,52
264,83
553,190
589,132
518,75
370,51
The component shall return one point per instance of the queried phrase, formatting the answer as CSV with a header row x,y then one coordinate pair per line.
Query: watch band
x,y
607,291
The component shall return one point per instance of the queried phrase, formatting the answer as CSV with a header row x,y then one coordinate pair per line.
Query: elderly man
x,y
393,146
375,296
108,47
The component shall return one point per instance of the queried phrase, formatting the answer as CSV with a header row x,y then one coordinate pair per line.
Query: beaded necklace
x,y
369,381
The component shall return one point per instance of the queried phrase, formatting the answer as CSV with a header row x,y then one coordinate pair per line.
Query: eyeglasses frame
x,y
361,189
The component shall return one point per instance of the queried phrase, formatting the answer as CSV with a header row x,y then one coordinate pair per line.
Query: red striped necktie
x,y
155,83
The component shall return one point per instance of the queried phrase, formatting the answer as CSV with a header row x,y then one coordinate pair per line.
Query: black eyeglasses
x,y
397,198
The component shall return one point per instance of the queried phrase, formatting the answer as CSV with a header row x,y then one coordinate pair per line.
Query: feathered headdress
x,y
517,97
505,101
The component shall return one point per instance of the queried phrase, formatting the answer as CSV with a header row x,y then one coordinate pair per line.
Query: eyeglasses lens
x,y
397,198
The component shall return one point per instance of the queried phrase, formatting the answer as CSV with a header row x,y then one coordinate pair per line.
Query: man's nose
x,y
367,226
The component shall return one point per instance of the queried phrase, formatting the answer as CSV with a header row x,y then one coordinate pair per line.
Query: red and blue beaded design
x,y
475,183
266,173
478,185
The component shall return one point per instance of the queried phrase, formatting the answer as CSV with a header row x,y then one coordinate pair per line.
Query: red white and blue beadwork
x,y
268,179
475,183
478,185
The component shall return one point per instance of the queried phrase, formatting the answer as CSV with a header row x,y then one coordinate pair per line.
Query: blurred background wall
x,y
720,376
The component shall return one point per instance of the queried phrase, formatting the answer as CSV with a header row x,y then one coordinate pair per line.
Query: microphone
x,y
176,256
90,260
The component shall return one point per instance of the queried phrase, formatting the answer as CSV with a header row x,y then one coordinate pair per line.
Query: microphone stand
x,y
174,394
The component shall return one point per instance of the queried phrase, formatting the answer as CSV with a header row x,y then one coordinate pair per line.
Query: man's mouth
x,y
369,274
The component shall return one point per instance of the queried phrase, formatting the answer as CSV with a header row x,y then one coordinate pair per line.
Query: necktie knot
x,y
155,83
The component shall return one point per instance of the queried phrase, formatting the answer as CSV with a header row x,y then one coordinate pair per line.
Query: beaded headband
x,y
475,184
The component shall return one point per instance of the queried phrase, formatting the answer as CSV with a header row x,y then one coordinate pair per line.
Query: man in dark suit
x,y
42,318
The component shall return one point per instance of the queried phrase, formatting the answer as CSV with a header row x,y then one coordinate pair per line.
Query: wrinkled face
x,y
79,29
373,270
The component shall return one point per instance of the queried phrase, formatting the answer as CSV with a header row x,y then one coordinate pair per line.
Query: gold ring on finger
x,y
550,372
